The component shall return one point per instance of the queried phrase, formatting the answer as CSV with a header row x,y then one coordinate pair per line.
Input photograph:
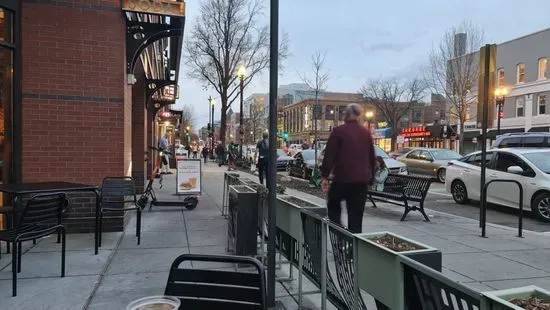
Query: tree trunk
x,y
461,138
394,135
223,123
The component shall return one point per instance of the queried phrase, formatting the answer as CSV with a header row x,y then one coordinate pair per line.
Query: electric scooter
x,y
190,202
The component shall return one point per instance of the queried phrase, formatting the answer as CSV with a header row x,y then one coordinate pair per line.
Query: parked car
x,y
522,139
393,165
530,167
400,152
302,164
429,161
283,160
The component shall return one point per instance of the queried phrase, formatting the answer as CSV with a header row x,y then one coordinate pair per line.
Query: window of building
x,y
417,116
520,106
543,68
520,73
500,77
542,104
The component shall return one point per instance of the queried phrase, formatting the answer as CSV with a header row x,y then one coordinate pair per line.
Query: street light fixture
x,y
500,97
369,115
241,73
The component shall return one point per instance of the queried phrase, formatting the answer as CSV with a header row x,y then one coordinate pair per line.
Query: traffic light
x,y
285,136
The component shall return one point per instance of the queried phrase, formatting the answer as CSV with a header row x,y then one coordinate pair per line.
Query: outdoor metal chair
x,y
118,194
217,289
40,217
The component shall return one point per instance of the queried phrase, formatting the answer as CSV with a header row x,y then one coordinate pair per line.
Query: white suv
x,y
531,167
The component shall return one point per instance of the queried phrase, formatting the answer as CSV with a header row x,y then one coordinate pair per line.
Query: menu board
x,y
189,175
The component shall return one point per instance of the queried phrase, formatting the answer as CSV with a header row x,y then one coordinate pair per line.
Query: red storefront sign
x,y
413,132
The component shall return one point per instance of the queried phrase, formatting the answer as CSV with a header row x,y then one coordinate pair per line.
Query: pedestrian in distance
x,y
205,152
261,156
350,158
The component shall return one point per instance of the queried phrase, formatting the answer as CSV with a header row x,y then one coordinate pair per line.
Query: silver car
x,y
429,161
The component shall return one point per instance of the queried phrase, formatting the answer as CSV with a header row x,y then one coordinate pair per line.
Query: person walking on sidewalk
x,y
220,154
261,155
351,159
164,147
205,152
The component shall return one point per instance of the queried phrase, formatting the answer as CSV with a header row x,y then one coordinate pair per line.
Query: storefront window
x,y
6,29
6,98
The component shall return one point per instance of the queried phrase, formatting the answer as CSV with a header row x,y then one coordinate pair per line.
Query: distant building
x,y
522,67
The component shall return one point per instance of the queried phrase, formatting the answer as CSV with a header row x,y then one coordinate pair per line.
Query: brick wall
x,y
75,99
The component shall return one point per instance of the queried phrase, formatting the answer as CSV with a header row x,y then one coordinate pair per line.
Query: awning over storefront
x,y
540,129
492,134
469,135
382,133
154,36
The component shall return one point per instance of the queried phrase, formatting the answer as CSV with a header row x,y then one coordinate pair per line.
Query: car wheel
x,y
459,192
541,206
441,175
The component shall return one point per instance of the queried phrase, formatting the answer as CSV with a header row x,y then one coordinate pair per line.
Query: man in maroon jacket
x,y
349,157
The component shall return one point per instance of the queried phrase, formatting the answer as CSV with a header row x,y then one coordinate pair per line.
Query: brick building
x,y
87,78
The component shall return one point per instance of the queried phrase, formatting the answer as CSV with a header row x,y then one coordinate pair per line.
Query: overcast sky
x,y
367,39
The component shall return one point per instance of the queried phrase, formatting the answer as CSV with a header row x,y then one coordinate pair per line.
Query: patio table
x,y
19,189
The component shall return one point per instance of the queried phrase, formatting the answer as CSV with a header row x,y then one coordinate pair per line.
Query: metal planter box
x,y
242,220
379,270
288,215
500,300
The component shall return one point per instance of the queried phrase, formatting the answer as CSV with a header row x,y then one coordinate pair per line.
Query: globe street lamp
x,y
500,97
369,115
241,73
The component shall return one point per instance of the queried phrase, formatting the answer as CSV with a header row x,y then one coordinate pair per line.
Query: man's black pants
x,y
262,170
355,195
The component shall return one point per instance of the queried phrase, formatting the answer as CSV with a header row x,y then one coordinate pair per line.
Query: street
x,y
438,199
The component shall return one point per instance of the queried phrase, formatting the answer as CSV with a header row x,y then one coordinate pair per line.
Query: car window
x,y
445,154
414,155
425,155
506,160
475,159
510,142
534,142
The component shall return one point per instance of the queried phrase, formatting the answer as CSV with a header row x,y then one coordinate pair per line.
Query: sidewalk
x,y
498,262
123,271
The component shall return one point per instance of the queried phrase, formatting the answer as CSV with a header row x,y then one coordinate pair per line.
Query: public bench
x,y
403,190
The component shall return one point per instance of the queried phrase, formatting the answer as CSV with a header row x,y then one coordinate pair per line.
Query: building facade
x,y
302,121
522,67
80,95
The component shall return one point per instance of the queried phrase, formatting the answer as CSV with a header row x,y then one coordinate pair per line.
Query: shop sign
x,y
382,133
382,124
161,7
189,176
166,114
413,132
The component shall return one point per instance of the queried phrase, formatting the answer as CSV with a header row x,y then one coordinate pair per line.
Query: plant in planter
x,y
288,209
379,270
521,298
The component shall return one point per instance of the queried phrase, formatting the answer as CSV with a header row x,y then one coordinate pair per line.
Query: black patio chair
x,y
217,289
40,217
118,194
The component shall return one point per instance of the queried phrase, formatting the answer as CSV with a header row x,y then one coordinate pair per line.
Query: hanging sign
x,y
189,177
161,7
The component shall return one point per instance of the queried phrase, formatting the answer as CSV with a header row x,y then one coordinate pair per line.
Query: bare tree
x,y
255,124
393,99
229,34
318,83
188,116
453,71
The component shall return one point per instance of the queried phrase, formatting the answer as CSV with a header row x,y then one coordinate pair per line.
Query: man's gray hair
x,y
353,112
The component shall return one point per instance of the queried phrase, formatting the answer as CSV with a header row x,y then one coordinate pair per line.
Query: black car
x,y
283,160
303,164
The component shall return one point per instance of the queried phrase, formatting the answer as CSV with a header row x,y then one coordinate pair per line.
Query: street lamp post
x,y
188,134
212,105
241,74
500,97
369,115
